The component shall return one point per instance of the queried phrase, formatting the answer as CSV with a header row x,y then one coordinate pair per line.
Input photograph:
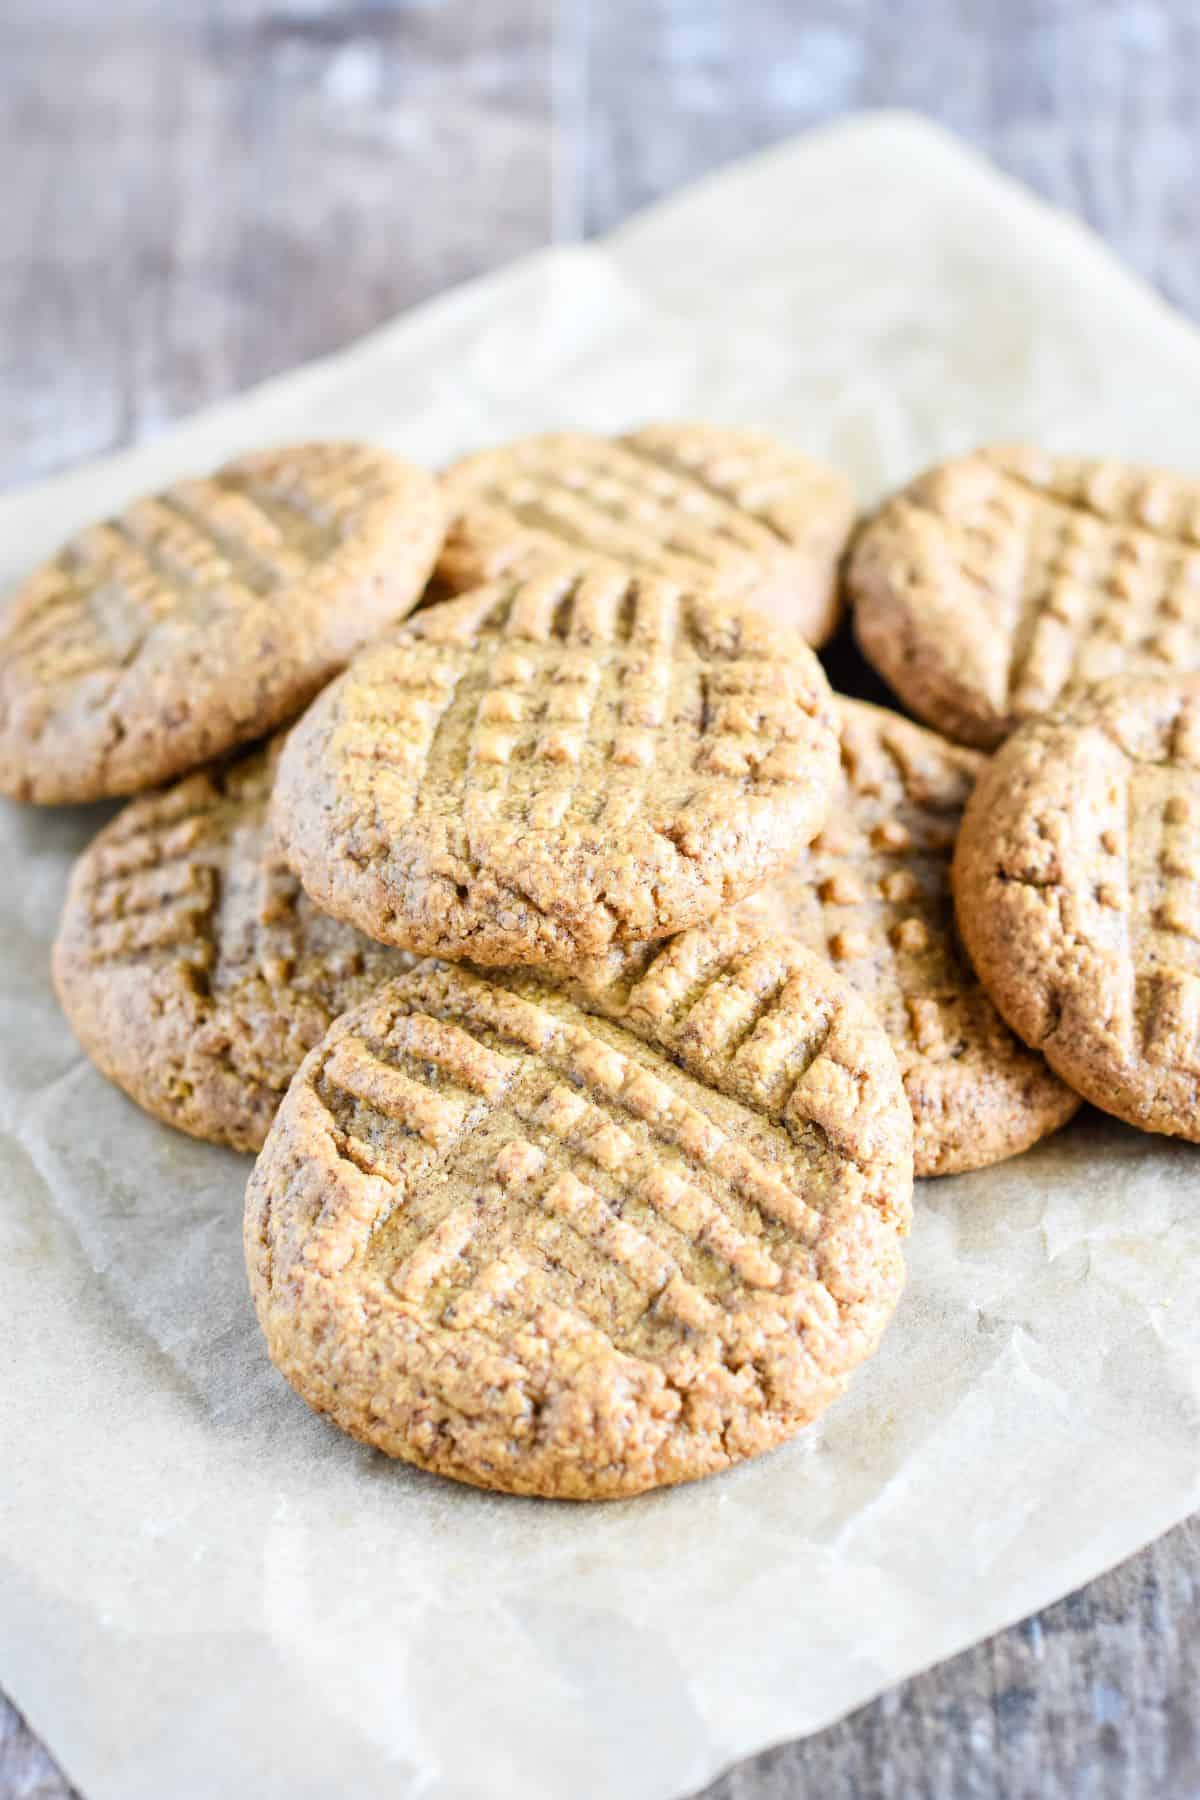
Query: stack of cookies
x,y
589,978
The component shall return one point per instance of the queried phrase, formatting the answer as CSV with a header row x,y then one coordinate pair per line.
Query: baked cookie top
x,y
193,969
546,766
750,516
519,1246
1004,578
1077,886
206,615
872,892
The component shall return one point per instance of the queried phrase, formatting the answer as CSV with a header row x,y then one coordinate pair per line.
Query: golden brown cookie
x,y
1077,886
1002,579
544,767
521,1247
872,892
748,515
195,972
206,615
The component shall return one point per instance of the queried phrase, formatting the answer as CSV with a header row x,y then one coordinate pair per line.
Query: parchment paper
x,y
203,1588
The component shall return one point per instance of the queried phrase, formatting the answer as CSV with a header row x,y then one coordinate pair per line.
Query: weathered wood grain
x,y
27,1772
1094,1696
1091,102
195,193
198,193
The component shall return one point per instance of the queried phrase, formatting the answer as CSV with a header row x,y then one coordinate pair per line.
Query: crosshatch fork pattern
x,y
225,541
1112,576
1077,880
1160,894
604,496
1147,854
191,872
743,513
192,965
147,886
204,616
872,892
555,761
513,1183
1063,571
652,1209
595,670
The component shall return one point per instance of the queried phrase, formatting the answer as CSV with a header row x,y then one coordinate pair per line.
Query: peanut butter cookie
x,y
1000,580
744,513
872,892
1077,886
544,767
206,615
521,1247
195,972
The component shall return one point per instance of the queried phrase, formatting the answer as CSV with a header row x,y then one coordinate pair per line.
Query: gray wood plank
x,y
1092,1697
197,193
1092,103
27,1771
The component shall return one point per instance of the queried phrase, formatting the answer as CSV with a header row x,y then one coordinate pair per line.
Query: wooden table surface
x,y
196,193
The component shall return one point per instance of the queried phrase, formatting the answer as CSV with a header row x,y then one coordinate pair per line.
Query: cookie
x,y
205,616
193,969
1002,579
544,767
749,516
872,892
1077,887
521,1247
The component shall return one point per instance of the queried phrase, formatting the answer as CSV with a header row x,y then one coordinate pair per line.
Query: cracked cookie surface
x,y
748,515
194,970
1000,580
547,766
519,1246
1077,887
206,615
872,893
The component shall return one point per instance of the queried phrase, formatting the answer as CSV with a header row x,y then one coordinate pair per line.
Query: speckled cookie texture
x,y
1077,886
206,615
1003,579
547,766
872,893
519,1246
750,516
193,969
